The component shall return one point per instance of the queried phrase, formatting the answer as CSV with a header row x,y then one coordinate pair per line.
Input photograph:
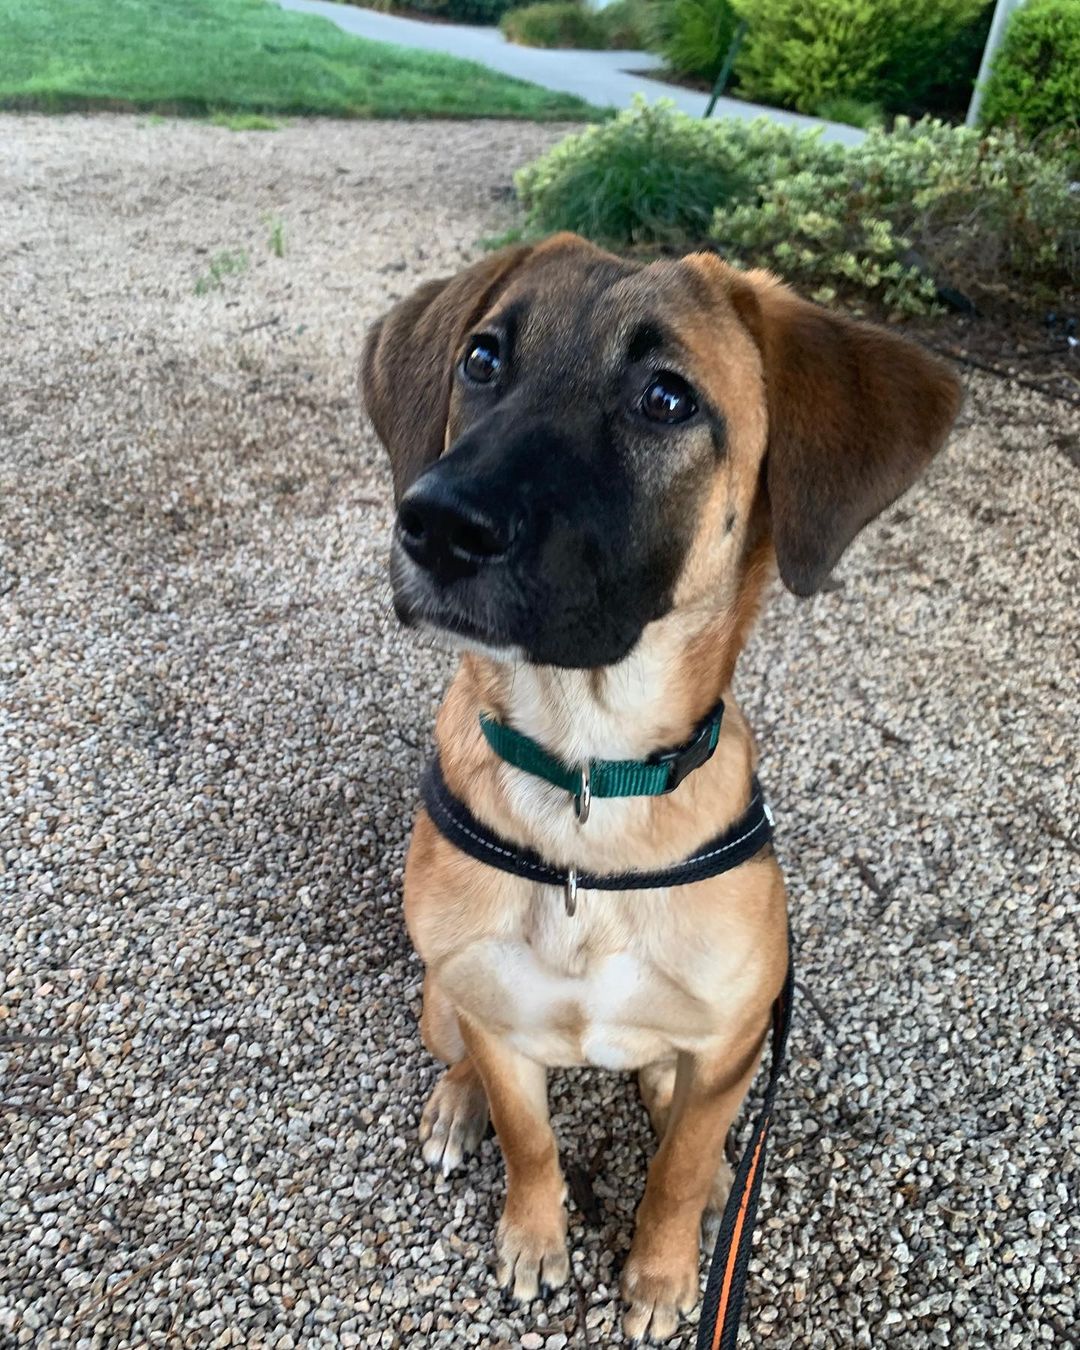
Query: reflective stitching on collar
x,y
700,857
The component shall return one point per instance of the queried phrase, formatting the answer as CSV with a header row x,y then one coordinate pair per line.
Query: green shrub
x,y
1035,82
625,25
649,176
924,205
693,36
556,23
800,53
841,108
891,218
567,23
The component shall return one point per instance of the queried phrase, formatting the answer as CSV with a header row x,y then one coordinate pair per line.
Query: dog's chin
x,y
454,632
457,642
459,637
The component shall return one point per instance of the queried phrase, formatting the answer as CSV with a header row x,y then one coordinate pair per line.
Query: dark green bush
x,y
693,36
460,11
801,53
1035,82
924,205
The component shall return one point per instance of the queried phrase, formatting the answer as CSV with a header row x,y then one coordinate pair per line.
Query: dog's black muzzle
x,y
523,536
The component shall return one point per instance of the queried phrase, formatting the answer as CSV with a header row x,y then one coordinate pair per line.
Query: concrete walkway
x,y
605,79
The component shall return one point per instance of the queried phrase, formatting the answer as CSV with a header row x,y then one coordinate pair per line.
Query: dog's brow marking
x,y
646,338
512,319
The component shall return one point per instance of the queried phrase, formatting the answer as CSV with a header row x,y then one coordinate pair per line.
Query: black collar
x,y
453,819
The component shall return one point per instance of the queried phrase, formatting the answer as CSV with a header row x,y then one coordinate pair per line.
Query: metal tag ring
x,y
583,800
570,892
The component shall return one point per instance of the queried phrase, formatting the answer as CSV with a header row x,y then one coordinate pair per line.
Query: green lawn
x,y
248,56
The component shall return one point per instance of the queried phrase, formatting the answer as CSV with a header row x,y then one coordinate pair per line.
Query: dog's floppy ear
x,y
855,414
408,357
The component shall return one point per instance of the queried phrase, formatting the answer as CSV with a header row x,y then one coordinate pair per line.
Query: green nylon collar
x,y
661,772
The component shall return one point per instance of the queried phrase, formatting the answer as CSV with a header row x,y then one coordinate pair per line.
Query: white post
x,y
1002,12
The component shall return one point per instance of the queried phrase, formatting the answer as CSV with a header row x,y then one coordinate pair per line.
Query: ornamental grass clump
x,y
654,176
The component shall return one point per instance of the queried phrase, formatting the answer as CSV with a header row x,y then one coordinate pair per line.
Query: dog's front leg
x,y
531,1241
660,1279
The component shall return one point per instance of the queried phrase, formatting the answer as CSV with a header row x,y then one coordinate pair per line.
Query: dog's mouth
x,y
507,618
450,614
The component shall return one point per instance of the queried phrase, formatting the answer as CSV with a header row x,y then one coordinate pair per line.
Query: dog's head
x,y
581,444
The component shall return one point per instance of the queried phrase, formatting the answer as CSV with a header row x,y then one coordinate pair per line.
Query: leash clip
x,y
583,798
570,892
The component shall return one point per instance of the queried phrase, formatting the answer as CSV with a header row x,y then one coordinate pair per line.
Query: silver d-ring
x,y
583,800
570,892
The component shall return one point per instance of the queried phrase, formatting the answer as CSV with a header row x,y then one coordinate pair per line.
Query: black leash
x,y
722,1307
721,1311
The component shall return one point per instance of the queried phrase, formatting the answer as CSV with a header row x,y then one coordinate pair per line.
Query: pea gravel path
x,y
210,1074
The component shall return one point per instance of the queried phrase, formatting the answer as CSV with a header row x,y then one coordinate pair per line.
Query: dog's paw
x,y
454,1119
660,1293
531,1255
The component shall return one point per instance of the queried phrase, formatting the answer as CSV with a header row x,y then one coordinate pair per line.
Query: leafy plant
x,y
277,235
927,204
230,262
693,36
800,53
1035,82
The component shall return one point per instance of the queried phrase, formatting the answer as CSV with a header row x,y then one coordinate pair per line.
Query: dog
x,y
598,466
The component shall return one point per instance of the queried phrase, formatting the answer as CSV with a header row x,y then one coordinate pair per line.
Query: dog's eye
x,y
482,361
668,399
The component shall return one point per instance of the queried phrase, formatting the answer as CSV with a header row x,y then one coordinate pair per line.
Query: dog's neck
x,y
649,701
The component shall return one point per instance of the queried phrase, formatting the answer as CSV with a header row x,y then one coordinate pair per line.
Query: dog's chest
x,y
588,989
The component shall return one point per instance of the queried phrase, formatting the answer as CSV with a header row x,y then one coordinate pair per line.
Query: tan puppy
x,y
598,465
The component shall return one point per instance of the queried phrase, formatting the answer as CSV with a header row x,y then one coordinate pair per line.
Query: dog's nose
x,y
447,534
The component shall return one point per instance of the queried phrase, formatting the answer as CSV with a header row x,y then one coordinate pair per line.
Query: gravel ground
x,y
210,1074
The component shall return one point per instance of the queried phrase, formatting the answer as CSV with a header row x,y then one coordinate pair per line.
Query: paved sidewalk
x,y
604,78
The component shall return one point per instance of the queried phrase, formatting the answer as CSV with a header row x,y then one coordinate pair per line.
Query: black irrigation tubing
x,y
1037,385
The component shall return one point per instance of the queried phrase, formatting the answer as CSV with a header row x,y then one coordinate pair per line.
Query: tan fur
x,y
676,984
